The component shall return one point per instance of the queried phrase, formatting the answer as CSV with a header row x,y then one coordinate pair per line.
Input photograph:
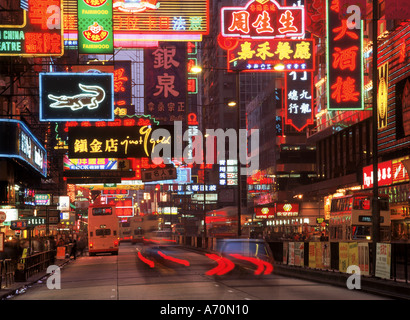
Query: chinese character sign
x,y
263,19
264,55
39,35
115,142
95,27
123,86
166,82
299,99
344,61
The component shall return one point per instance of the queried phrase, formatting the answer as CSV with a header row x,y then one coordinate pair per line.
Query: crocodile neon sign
x,y
91,99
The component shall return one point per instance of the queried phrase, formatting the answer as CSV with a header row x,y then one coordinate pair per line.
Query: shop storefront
x,y
290,220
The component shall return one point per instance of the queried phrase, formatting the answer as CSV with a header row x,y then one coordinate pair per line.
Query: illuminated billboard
x,y
76,96
382,95
344,62
263,55
95,27
22,144
166,82
40,32
115,142
299,99
263,19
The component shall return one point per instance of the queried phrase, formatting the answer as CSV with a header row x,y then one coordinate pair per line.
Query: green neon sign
x,y
95,27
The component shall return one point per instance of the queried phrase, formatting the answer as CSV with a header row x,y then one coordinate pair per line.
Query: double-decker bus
x,y
142,226
351,218
103,230
125,230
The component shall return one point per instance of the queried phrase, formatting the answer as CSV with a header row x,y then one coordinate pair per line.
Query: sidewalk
x,y
388,288
18,287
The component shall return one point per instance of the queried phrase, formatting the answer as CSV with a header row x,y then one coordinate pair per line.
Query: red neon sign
x,y
261,19
344,61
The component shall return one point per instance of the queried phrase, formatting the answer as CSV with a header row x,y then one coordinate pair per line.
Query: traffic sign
x,y
34,221
18,224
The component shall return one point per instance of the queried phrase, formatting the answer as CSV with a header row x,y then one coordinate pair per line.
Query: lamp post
x,y
238,113
375,202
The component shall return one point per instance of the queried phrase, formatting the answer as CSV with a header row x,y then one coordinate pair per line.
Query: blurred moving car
x,y
251,255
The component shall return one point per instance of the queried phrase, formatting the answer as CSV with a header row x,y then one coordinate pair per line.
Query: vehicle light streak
x,y
224,265
262,265
180,261
145,260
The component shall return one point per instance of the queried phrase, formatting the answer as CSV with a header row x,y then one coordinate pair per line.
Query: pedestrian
x,y
81,245
74,249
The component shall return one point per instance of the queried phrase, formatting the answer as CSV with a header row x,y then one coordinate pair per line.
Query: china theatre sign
x,y
38,34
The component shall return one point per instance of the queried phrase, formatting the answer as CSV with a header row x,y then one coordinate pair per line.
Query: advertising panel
x,y
22,144
264,212
287,209
123,85
76,96
385,174
344,62
382,95
383,260
115,142
166,82
263,55
299,99
95,27
40,32
403,108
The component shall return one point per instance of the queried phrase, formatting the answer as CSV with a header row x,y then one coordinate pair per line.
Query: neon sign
x,y
166,82
287,209
123,86
382,95
91,98
299,99
63,102
22,144
135,6
344,62
264,55
95,26
114,142
263,19
40,33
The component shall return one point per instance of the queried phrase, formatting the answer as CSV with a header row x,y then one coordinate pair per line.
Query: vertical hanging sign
x,y
382,93
166,82
299,99
344,61
95,27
